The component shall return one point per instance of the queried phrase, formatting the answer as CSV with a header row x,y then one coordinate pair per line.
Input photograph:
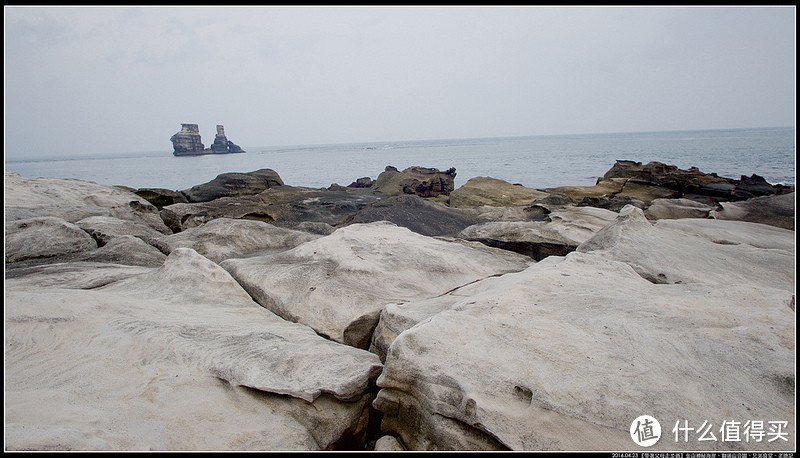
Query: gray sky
x,y
122,79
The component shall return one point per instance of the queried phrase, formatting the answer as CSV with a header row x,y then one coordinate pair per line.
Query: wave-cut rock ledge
x,y
399,314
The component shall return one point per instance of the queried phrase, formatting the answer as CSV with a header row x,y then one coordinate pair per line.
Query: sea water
x,y
535,162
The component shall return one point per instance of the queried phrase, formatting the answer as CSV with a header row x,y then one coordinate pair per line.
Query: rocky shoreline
x,y
399,313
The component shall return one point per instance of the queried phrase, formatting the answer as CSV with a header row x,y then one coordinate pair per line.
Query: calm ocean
x,y
536,162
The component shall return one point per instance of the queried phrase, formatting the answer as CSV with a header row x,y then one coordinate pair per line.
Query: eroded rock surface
x,y
422,181
338,284
173,358
572,349
73,200
224,238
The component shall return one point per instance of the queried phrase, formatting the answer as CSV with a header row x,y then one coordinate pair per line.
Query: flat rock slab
x,y
566,354
339,283
173,358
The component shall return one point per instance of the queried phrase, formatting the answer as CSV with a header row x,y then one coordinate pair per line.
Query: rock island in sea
x,y
187,142
249,314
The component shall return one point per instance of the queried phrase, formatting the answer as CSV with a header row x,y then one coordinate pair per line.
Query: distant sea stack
x,y
187,142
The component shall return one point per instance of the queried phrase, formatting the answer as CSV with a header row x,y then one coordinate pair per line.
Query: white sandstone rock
x,y
42,237
566,354
173,358
664,254
339,283
73,200
224,238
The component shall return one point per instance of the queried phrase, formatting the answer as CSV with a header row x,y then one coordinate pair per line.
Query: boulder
x,y
664,255
564,355
417,214
560,234
224,238
339,283
44,237
233,184
480,191
73,200
422,181
173,358
677,208
775,210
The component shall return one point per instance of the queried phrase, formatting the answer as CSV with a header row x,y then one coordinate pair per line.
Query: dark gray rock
x,y
283,206
613,203
419,215
234,184
160,197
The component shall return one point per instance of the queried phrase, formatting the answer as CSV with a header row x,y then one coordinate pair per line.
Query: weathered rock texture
x,y
222,144
187,140
338,284
419,215
564,355
561,232
284,206
667,256
225,238
73,200
480,191
655,180
44,237
234,184
174,358
776,210
677,208
120,335
424,182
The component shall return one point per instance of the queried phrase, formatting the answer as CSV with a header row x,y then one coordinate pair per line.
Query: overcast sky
x,y
82,80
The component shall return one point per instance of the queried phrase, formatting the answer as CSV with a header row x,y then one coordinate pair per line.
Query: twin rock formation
x,y
188,142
